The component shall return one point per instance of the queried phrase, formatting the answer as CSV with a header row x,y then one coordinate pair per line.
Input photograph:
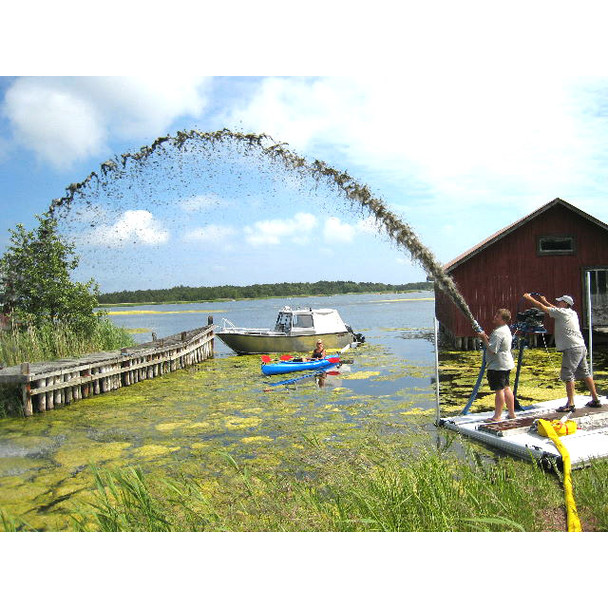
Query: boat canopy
x,y
318,320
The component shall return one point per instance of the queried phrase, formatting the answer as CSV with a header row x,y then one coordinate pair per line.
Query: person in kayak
x,y
319,351
500,364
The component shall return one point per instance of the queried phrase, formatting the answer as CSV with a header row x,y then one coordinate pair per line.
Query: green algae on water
x,y
184,424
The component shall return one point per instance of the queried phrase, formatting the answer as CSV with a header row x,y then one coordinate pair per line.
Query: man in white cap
x,y
569,341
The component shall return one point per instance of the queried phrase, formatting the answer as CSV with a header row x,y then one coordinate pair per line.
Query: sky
x,y
460,119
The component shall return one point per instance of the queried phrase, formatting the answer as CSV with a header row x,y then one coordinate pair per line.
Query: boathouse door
x,y
599,296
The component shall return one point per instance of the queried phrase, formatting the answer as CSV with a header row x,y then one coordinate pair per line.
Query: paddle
x,y
268,359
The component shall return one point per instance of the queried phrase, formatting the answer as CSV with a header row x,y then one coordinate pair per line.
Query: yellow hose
x,y
574,523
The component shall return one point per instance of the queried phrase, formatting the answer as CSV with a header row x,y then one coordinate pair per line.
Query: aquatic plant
x,y
124,502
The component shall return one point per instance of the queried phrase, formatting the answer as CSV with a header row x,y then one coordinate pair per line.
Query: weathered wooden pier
x,y
46,385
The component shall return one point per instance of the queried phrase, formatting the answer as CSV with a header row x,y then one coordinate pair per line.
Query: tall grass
x,y
429,491
56,341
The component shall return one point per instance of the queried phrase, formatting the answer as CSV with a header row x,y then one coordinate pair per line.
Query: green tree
x,y
35,279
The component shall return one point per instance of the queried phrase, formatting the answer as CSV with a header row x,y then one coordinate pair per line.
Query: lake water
x,y
186,422
401,322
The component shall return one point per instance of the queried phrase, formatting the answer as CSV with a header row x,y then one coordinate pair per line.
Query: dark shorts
x,y
498,378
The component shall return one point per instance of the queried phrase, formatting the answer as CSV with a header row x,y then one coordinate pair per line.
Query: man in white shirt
x,y
500,363
569,341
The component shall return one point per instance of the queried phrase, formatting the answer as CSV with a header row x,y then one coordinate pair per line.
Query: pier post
x,y
28,410
212,347
58,393
42,396
50,396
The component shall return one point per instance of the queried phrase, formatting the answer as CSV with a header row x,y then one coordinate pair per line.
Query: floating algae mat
x,y
188,424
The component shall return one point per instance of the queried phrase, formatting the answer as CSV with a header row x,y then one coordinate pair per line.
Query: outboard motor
x,y
358,337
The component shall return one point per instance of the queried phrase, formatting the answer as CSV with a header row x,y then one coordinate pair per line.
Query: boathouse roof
x,y
516,225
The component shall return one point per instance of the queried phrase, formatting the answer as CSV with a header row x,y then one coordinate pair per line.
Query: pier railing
x,y
46,385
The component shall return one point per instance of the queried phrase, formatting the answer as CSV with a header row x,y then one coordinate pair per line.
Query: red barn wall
x,y
498,276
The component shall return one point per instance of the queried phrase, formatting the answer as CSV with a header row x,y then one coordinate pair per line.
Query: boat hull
x,y
287,367
250,343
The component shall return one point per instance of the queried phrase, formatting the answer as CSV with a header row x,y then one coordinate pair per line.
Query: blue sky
x,y
461,121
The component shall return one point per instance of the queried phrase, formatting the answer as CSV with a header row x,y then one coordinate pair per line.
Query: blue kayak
x,y
286,367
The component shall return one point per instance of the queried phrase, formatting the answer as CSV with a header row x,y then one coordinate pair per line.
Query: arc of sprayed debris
x,y
395,228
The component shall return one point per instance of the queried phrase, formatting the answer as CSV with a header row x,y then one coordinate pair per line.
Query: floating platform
x,y
519,437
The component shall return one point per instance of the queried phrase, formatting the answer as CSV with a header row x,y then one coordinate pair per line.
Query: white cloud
x,y
66,119
272,232
464,135
300,230
134,227
336,231
212,234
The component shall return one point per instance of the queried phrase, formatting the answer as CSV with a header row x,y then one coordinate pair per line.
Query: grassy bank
x,y
371,491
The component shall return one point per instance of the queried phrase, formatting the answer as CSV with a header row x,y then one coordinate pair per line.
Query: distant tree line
x,y
182,293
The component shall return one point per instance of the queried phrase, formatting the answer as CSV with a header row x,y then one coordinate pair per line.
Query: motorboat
x,y
295,330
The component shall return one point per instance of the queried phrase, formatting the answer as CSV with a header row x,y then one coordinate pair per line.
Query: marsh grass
x,y
10,523
372,491
56,341
591,493
124,502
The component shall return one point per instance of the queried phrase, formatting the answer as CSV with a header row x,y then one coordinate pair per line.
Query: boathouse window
x,y
555,245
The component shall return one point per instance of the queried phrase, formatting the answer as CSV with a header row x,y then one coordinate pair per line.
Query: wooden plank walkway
x,y
47,384
585,417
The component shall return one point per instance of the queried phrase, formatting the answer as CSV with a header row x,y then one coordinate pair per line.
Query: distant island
x,y
182,293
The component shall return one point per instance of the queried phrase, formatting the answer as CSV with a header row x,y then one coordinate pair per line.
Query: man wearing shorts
x,y
569,341
500,363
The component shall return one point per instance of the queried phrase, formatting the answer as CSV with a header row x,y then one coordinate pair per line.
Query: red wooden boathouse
x,y
548,251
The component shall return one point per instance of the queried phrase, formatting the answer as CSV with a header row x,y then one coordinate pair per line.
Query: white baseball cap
x,y
566,299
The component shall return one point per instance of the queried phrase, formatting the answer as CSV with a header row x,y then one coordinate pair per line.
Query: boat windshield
x,y
283,322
